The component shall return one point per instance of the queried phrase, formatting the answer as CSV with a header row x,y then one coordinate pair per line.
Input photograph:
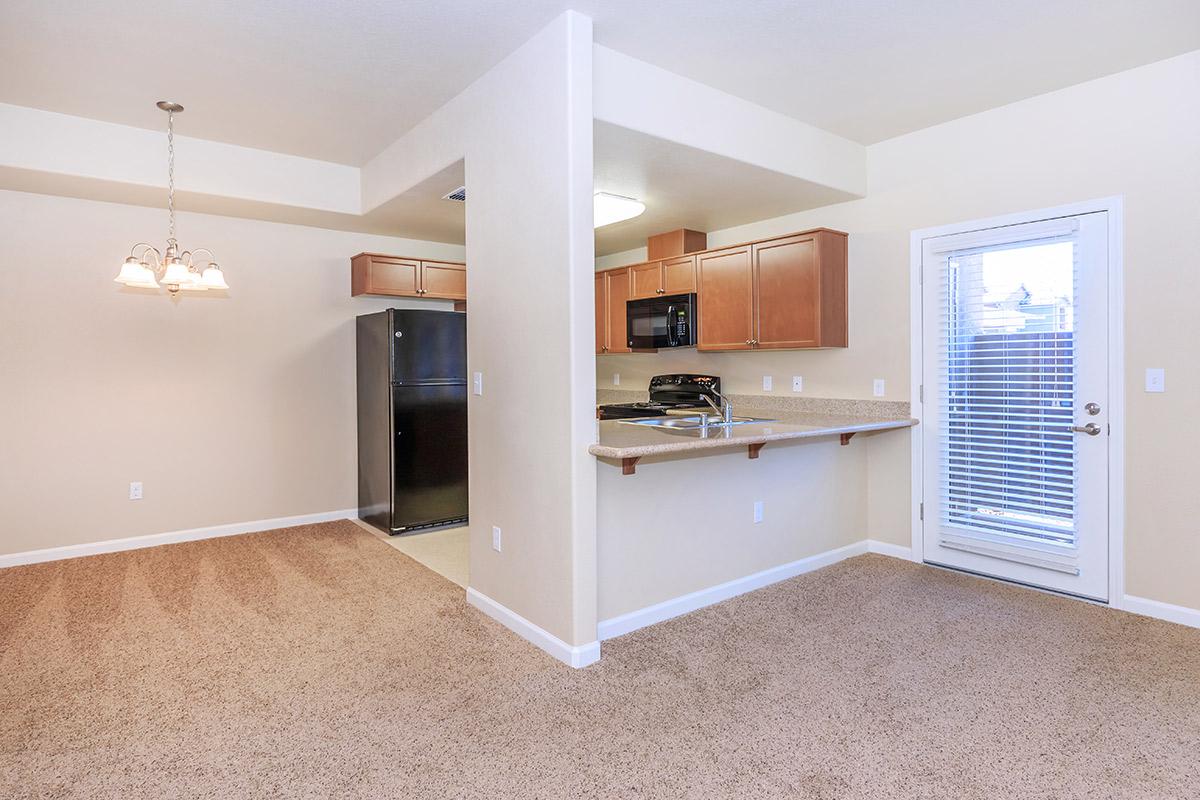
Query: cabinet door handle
x,y
749,341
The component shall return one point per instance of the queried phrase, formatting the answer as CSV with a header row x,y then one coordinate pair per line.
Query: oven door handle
x,y
671,340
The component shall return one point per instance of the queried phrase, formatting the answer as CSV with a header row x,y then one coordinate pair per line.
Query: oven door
x,y
658,322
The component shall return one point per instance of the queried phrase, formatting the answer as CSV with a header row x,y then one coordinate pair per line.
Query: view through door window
x,y
1008,355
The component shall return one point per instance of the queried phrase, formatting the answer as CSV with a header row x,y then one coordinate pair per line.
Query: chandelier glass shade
x,y
177,270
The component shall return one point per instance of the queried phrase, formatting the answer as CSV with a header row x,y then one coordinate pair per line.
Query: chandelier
x,y
179,271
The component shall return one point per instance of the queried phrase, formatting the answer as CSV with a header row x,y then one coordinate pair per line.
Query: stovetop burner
x,y
652,404
666,392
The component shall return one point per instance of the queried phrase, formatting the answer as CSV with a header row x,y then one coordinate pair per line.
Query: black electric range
x,y
666,392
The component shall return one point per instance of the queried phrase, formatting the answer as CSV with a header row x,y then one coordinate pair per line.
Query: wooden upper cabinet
x,y
800,291
645,280
783,293
443,279
679,275
371,273
785,287
617,284
675,243
655,278
601,314
394,276
726,298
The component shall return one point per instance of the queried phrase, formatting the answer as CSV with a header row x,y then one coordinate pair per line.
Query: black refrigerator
x,y
412,419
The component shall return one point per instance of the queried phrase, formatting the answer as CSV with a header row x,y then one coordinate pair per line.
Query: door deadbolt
x,y
1092,409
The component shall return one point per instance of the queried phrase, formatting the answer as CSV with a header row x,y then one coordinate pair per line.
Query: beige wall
x,y
240,409
1135,134
228,409
528,137
680,525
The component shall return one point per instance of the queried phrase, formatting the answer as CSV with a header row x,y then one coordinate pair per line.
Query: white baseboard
x,y
575,656
155,539
889,549
618,626
1153,608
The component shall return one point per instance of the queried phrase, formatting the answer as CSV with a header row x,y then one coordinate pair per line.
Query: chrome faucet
x,y
725,409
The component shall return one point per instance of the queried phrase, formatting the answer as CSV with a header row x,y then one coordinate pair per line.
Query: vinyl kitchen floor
x,y
443,551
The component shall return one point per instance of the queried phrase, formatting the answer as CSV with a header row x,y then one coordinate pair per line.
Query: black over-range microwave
x,y
667,321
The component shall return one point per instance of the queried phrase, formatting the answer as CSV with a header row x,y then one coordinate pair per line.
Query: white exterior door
x,y
1015,396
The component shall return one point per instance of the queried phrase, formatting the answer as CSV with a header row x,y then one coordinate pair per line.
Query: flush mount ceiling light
x,y
610,208
177,270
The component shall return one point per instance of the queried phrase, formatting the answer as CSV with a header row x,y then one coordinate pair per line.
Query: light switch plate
x,y
879,387
135,490
616,379
477,384
797,383
496,538
1156,379
768,383
758,511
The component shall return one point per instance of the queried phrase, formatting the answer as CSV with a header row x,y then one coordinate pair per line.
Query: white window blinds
x,y
1006,363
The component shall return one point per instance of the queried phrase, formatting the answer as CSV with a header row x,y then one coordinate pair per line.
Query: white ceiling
x,y
340,80
683,187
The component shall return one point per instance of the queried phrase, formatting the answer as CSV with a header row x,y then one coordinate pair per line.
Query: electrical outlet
x,y
495,538
758,511
477,386
1156,379
797,383
767,383
135,490
879,387
616,379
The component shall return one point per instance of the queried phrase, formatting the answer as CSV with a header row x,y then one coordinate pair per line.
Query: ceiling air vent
x,y
459,195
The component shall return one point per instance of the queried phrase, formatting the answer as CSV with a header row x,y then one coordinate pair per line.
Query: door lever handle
x,y
1091,429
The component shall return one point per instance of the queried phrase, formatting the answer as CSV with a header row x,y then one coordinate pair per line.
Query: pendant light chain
x,y
171,176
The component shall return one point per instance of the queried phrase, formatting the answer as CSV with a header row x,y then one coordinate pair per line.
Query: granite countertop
x,y
619,440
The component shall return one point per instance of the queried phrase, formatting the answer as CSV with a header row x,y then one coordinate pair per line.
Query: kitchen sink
x,y
690,423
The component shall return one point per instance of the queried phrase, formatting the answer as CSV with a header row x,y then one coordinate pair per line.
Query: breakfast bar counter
x,y
630,440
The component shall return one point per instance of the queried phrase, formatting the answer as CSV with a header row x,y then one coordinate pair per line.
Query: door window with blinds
x,y
1014,373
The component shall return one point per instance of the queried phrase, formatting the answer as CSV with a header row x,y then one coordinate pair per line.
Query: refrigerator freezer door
x,y
428,346
429,454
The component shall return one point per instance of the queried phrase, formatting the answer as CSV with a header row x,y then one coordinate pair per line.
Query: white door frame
x,y
1116,368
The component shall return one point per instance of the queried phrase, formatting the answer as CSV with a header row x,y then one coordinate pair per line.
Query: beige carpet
x,y
318,662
